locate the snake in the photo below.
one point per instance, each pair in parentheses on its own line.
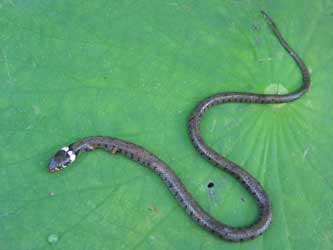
(67,155)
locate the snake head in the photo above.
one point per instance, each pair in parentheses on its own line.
(61,159)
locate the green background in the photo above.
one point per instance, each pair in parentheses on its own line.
(135,70)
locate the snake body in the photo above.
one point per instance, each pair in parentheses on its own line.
(67,155)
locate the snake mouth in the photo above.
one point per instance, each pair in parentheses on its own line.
(52,170)
(54,166)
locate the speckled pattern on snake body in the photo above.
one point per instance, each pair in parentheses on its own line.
(67,155)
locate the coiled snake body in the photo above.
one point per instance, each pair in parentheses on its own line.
(67,155)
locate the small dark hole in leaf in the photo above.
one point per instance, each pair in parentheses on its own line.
(210,184)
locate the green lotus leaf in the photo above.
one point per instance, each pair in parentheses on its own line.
(135,70)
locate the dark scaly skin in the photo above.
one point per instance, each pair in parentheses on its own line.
(67,155)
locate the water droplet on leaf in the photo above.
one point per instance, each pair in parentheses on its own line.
(53,238)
